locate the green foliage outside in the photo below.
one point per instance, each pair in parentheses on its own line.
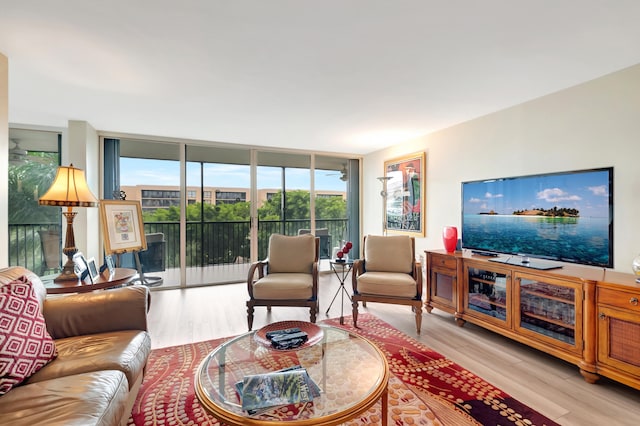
(223,238)
(225,234)
(297,207)
(27,182)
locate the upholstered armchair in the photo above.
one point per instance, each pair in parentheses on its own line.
(288,277)
(388,273)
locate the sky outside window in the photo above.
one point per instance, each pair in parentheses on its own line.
(137,171)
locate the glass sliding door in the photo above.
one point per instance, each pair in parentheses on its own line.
(218,214)
(283,187)
(331,178)
(150,173)
(215,207)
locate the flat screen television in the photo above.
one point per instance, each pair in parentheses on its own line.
(565,217)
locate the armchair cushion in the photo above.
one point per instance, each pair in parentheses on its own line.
(394,284)
(25,344)
(291,253)
(388,273)
(389,254)
(284,286)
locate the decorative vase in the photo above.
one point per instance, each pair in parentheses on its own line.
(635,265)
(450,238)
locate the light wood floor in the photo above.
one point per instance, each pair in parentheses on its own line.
(551,386)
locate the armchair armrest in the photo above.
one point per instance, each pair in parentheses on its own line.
(357,269)
(417,275)
(258,266)
(123,308)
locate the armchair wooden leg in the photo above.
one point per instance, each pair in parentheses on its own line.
(418,311)
(354,313)
(312,314)
(250,315)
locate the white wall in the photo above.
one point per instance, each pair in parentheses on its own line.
(81,148)
(595,124)
(4,161)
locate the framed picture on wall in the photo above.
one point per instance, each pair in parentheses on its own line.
(122,226)
(405,200)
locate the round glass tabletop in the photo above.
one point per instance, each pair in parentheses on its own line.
(349,373)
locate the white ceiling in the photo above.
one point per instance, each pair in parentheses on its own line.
(348,76)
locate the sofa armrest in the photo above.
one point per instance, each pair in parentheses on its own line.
(123,308)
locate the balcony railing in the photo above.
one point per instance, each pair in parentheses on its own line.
(26,247)
(208,243)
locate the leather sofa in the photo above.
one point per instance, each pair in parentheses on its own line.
(103,345)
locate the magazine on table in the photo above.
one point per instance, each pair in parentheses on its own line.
(283,387)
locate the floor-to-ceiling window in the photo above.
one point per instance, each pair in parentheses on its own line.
(283,187)
(216,206)
(331,179)
(218,214)
(35,233)
(149,172)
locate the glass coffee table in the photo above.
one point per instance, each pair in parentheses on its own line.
(351,372)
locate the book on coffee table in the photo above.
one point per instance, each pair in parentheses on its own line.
(277,388)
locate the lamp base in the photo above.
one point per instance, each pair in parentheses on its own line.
(68,273)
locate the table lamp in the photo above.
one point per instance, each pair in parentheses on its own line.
(69,189)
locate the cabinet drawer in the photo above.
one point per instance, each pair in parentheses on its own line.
(620,299)
(448,262)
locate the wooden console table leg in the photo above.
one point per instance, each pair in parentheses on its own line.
(385,406)
(589,377)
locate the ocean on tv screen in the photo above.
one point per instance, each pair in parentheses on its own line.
(570,239)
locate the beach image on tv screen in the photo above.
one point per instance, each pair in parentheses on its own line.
(561,216)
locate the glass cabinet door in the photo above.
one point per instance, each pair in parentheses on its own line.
(548,309)
(488,294)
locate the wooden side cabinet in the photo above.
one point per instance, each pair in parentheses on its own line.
(442,282)
(584,315)
(618,329)
(553,310)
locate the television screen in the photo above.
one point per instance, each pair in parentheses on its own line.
(558,216)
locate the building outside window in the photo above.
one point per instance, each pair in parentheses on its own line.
(230,197)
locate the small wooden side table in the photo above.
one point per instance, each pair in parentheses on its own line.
(120,276)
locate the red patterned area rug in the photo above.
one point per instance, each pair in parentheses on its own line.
(425,387)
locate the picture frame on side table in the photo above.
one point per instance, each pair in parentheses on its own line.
(80,265)
(405,209)
(122,226)
(93,270)
(111,266)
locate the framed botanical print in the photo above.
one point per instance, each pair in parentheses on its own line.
(122,226)
(405,199)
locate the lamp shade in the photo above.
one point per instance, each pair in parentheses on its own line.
(69,188)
